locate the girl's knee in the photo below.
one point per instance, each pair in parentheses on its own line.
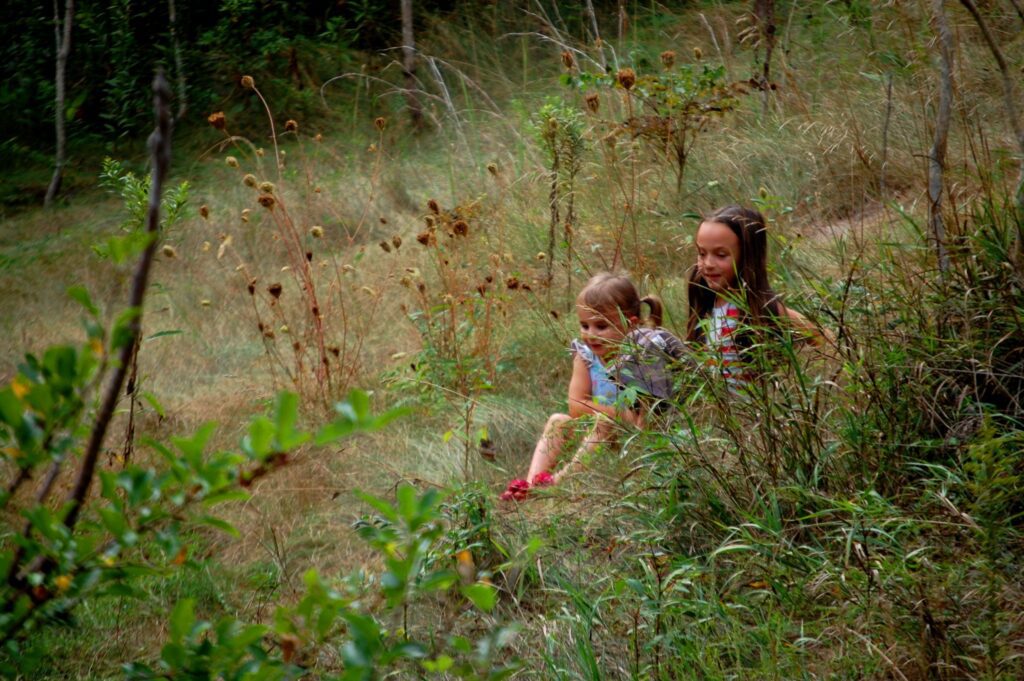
(557,420)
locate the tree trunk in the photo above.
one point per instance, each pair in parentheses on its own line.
(409,66)
(937,156)
(179,66)
(765,12)
(63,38)
(1009,97)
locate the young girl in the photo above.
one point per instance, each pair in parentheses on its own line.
(732,267)
(609,314)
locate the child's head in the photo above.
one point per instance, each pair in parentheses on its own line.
(608,307)
(732,258)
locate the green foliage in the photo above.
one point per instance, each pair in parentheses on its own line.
(49,566)
(134,192)
(407,535)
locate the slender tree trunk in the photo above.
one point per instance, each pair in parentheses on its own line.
(765,12)
(409,66)
(63,37)
(937,156)
(179,65)
(1009,97)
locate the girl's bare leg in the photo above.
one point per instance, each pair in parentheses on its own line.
(549,446)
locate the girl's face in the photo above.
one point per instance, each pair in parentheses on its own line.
(602,331)
(718,256)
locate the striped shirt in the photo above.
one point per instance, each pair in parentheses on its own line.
(720,331)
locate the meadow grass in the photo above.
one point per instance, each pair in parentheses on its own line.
(855,518)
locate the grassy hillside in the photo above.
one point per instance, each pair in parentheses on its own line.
(857,517)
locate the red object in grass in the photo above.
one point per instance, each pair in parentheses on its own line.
(543,479)
(516,491)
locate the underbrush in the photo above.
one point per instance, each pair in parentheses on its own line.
(856,514)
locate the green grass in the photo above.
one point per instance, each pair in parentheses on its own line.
(857,517)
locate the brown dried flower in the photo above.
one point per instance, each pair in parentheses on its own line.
(248,83)
(434,207)
(291,125)
(567,60)
(316,231)
(169,252)
(266,200)
(267,187)
(626,78)
(668,58)
(460,228)
(698,53)
(231,161)
(275,290)
(385,246)
(204,211)
(252,291)
(593,101)
(217,120)
(396,241)
(249,180)
(512,283)
(380,123)
(427,238)
(492,168)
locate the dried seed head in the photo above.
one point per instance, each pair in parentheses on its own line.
(396,241)
(275,290)
(383,220)
(380,123)
(168,251)
(267,201)
(593,102)
(252,291)
(204,211)
(421,287)
(427,238)
(429,219)
(318,190)
(284,328)
(406,282)
(434,207)
(368,291)
(542,255)
(217,120)
(492,168)
(248,83)
(318,138)
(763,192)
(245,215)
(567,60)
(249,180)
(309,256)
(668,58)
(460,228)
(626,78)
(385,246)
(316,231)
(267,187)
(259,152)
(206,246)
(334,350)
(231,161)
(348,268)
(512,283)
(291,125)
(205,302)
(698,53)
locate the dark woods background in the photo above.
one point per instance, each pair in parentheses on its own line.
(290,47)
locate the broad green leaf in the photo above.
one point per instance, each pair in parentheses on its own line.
(182,618)
(483,596)
(220,524)
(80,294)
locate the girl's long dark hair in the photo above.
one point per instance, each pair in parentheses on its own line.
(762,305)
